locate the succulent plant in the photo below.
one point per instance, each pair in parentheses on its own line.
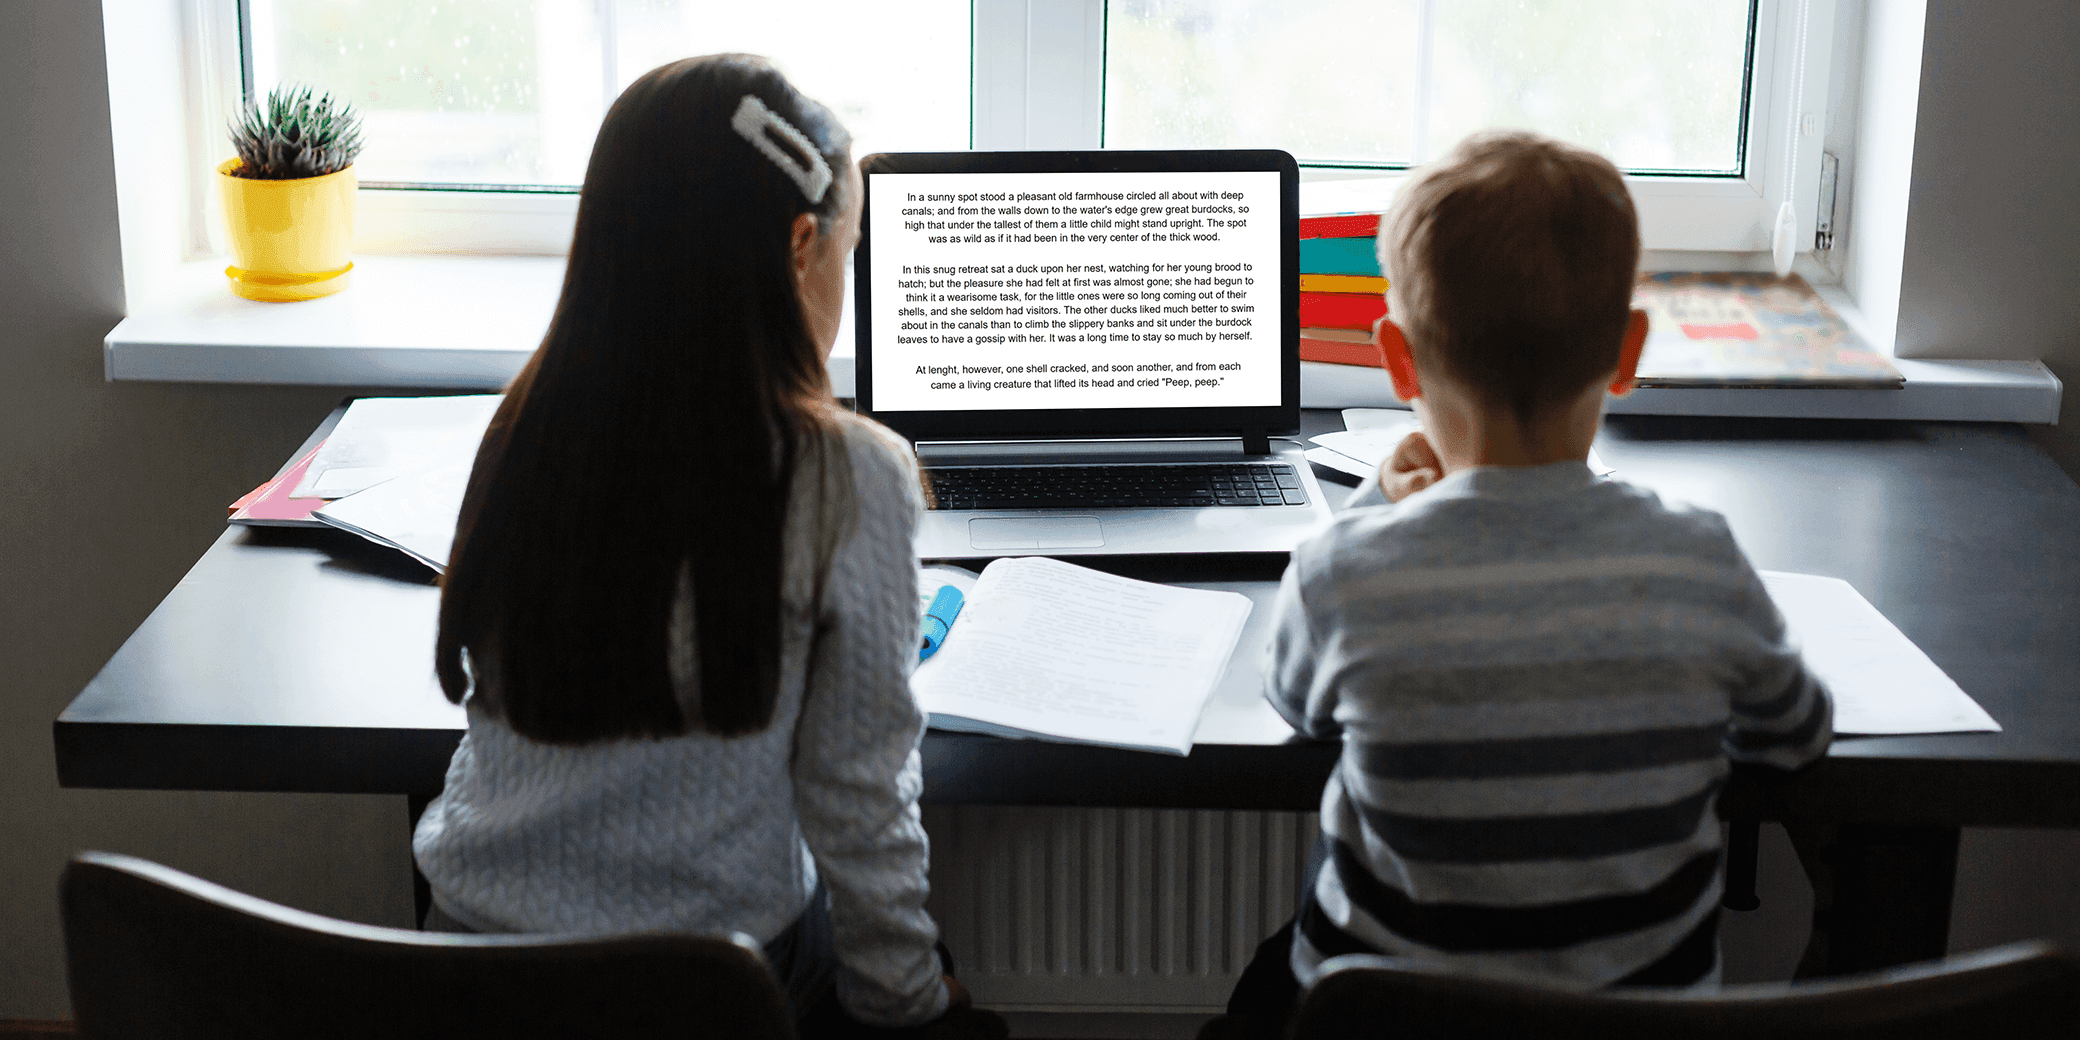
(296,133)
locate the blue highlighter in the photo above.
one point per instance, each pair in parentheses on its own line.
(938,618)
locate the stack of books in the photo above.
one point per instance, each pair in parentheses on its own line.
(1342,290)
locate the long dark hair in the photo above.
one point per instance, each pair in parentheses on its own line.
(657,431)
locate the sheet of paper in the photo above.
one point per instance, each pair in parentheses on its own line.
(385,437)
(1371,444)
(1361,418)
(931,579)
(1339,462)
(415,512)
(1058,650)
(1881,682)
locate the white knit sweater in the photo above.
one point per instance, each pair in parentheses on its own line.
(707,834)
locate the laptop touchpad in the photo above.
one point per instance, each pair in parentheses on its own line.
(1036,532)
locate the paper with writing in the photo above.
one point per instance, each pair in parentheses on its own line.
(1052,650)
(1881,682)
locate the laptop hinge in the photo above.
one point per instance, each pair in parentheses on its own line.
(1255,441)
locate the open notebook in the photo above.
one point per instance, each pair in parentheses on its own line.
(1050,650)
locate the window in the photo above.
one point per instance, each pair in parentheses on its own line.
(480,112)
(1390,84)
(508,95)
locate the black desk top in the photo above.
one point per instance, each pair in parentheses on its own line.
(292,660)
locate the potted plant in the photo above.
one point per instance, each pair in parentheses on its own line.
(289,195)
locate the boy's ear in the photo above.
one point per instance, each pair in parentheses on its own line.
(1628,353)
(1395,358)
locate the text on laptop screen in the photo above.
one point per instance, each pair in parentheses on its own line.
(1074,290)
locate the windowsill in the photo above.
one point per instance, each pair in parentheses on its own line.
(470,323)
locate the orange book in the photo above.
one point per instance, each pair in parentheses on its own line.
(1343,283)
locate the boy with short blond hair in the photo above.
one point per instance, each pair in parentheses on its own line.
(1538,676)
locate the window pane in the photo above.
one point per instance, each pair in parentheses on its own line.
(896,77)
(510,92)
(1327,80)
(1651,84)
(1654,85)
(472,91)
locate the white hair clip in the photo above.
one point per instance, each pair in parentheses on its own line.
(754,119)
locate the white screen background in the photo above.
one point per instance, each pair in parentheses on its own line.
(995,291)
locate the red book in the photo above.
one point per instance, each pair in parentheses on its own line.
(269,505)
(1338,352)
(1341,310)
(1340,225)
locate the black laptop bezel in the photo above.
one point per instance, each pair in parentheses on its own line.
(1086,423)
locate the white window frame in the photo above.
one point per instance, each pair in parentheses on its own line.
(1038,83)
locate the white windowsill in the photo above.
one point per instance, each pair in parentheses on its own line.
(470,323)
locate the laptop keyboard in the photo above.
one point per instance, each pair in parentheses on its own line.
(1096,487)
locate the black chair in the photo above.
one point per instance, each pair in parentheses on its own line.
(2024,990)
(151,952)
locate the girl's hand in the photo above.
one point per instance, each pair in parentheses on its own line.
(1413,466)
(957,994)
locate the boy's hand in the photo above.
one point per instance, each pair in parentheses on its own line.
(1413,466)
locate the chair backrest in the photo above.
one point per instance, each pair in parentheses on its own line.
(154,953)
(2024,990)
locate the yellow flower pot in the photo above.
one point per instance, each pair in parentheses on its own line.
(289,239)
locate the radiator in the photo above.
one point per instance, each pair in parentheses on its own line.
(1111,909)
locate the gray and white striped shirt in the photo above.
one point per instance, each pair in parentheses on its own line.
(1539,678)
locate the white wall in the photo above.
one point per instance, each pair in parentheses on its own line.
(1880,167)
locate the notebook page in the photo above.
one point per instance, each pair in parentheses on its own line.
(1881,682)
(1072,653)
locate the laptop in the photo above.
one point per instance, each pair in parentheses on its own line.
(1096,353)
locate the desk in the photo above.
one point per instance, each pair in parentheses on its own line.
(302,661)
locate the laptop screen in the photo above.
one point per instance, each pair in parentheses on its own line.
(1078,293)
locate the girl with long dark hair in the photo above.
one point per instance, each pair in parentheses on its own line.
(681,611)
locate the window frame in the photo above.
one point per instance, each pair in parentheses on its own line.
(1038,83)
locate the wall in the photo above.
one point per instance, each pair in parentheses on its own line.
(1993,227)
(108,492)
(1992,244)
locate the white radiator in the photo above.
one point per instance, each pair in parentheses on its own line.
(1111,909)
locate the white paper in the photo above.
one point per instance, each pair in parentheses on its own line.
(931,579)
(1372,443)
(1362,418)
(381,438)
(1049,649)
(1881,682)
(1340,462)
(415,512)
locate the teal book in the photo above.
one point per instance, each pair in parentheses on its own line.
(1338,256)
